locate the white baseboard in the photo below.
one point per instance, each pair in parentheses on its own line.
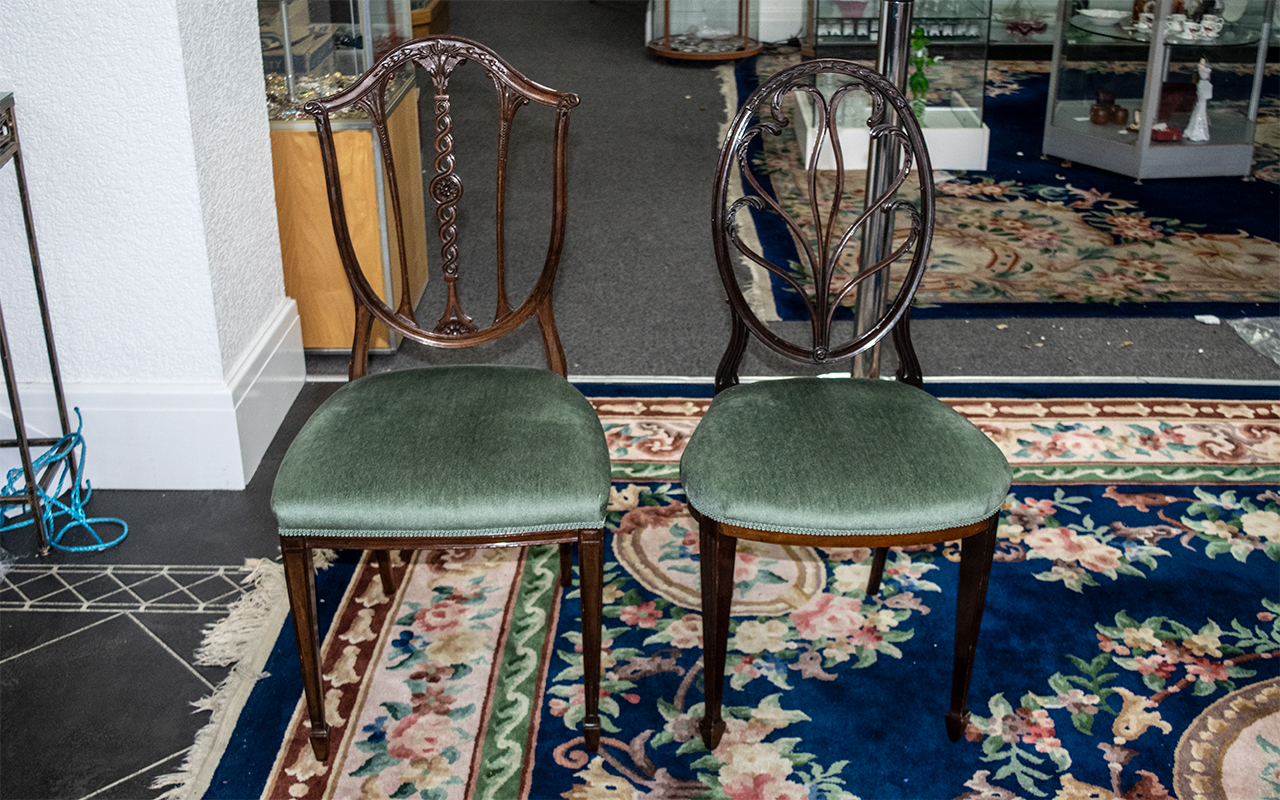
(265,384)
(181,436)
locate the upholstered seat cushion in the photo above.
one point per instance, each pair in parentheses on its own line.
(840,456)
(446,451)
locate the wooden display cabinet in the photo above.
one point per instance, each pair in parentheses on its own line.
(312,268)
(312,48)
(430,17)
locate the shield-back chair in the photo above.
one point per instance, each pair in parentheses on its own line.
(445,456)
(845,462)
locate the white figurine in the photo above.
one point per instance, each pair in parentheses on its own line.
(1198,128)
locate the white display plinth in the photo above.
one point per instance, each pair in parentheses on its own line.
(956,139)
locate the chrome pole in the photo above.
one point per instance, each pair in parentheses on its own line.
(1255,95)
(288,50)
(892,59)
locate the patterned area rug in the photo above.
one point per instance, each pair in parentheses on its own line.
(1037,237)
(1129,647)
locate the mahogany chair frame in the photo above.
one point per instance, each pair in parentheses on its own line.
(439,56)
(892,122)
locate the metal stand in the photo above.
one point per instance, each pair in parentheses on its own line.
(11,151)
(882,167)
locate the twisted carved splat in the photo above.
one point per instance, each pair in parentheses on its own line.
(446,190)
(439,56)
(831,241)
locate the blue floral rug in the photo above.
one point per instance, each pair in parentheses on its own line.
(1129,647)
(1038,237)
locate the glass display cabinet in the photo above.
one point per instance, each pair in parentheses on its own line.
(946,75)
(846,24)
(1169,90)
(704,29)
(313,48)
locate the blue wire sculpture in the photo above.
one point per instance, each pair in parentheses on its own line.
(51,507)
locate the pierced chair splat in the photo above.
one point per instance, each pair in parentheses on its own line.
(844,462)
(452,457)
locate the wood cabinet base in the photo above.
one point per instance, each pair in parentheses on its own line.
(312,269)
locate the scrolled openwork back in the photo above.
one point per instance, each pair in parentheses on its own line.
(439,56)
(821,235)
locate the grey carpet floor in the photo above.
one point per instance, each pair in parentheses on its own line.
(637,292)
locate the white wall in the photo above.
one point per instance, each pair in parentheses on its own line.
(222,65)
(147,155)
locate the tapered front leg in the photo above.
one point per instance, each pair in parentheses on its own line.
(566,565)
(590,581)
(716,557)
(976,553)
(300,580)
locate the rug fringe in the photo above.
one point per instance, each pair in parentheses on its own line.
(321,557)
(244,639)
(231,638)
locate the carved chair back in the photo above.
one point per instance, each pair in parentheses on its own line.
(828,233)
(438,57)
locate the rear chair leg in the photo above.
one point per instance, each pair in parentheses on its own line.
(300,580)
(383,558)
(877,571)
(976,553)
(566,565)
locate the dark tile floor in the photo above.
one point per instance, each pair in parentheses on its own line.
(97,649)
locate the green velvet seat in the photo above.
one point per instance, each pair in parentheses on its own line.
(510,449)
(845,461)
(451,457)
(840,457)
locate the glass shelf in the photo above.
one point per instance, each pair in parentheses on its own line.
(857,22)
(1232,34)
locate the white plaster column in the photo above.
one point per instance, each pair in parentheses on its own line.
(147,153)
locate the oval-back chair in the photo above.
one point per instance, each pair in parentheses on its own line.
(846,462)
